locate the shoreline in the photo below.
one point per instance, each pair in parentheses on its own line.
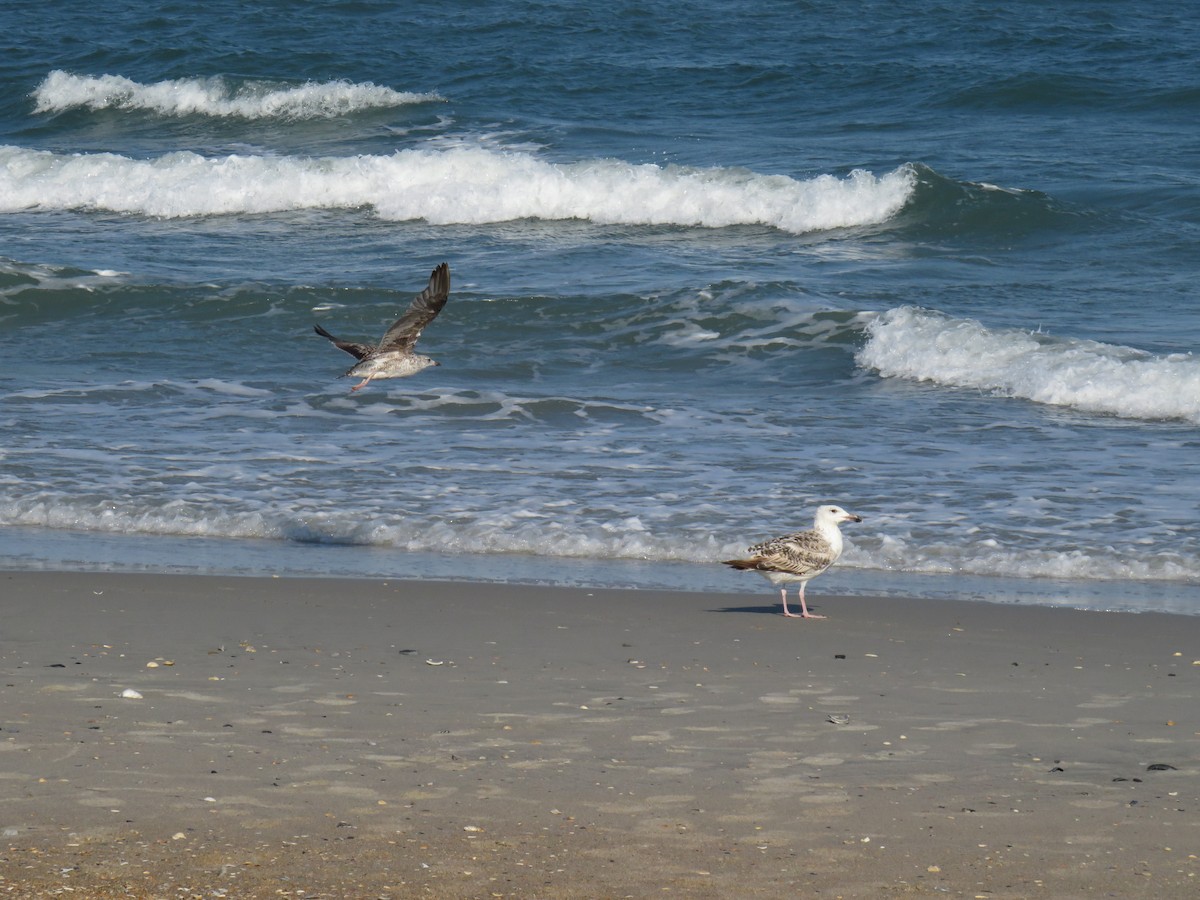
(26,548)
(368,737)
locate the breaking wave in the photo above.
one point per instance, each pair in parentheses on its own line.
(459,185)
(217,96)
(925,345)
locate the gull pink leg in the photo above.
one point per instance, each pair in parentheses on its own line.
(787,612)
(804,613)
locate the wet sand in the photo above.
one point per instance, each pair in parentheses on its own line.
(340,738)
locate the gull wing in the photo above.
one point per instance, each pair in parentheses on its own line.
(358,351)
(424,309)
(801,553)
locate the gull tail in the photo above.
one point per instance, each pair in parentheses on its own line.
(741,563)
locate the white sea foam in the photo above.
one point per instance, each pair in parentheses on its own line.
(461,185)
(925,345)
(515,531)
(536,533)
(989,557)
(232,388)
(218,97)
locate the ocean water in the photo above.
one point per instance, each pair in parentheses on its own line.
(714,263)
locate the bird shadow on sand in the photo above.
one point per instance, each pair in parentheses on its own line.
(772,609)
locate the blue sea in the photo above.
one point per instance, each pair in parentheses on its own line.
(714,263)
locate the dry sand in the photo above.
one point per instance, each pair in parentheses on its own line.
(339,738)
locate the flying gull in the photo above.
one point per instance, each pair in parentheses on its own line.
(393,357)
(799,557)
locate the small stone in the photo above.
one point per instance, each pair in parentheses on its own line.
(131,694)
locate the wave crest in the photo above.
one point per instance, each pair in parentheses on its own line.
(925,345)
(459,185)
(217,96)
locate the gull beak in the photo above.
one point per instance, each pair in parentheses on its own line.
(851,517)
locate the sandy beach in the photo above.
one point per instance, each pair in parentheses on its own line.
(179,736)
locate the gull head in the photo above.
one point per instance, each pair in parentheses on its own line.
(832,515)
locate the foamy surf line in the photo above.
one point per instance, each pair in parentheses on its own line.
(218,96)
(531,535)
(460,185)
(924,345)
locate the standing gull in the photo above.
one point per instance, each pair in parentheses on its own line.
(394,356)
(799,557)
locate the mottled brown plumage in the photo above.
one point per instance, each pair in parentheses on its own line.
(799,557)
(393,357)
